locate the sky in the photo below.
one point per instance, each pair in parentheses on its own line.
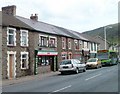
(77,15)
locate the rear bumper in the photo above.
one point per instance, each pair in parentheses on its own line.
(91,66)
(69,69)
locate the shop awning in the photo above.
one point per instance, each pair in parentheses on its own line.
(47,53)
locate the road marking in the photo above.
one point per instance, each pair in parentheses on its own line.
(93,77)
(62,89)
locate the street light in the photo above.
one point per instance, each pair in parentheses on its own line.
(105,28)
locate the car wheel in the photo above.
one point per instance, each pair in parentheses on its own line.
(77,71)
(84,70)
(62,72)
(97,67)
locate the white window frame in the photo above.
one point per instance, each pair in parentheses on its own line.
(69,44)
(14,36)
(40,40)
(63,43)
(80,44)
(76,43)
(27,62)
(51,37)
(22,42)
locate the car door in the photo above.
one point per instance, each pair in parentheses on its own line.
(79,65)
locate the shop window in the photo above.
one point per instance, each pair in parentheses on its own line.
(11,36)
(43,61)
(24,60)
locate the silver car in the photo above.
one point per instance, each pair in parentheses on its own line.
(71,65)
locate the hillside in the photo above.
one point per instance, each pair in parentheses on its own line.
(112,33)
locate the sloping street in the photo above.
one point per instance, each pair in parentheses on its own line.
(104,79)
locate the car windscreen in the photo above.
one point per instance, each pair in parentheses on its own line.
(102,55)
(65,62)
(92,60)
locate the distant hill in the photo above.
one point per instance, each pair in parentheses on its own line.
(112,33)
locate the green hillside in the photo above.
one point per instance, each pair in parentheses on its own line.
(112,33)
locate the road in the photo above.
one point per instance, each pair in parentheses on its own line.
(104,79)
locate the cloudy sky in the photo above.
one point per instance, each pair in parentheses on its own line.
(78,15)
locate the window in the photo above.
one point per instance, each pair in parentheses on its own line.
(80,44)
(24,38)
(63,43)
(24,60)
(69,44)
(11,37)
(43,41)
(44,61)
(95,46)
(91,46)
(52,42)
(76,44)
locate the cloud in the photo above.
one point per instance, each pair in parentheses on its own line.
(79,15)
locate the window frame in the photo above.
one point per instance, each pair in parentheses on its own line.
(27,62)
(55,41)
(63,43)
(14,36)
(69,44)
(25,31)
(76,45)
(41,40)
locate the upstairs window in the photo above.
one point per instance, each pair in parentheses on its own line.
(95,47)
(63,43)
(11,36)
(91,46)
(43,41)
(76,44)
(24,38)
(80,44)
(69,44)
(52,42)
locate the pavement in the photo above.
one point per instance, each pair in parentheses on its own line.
(27,78)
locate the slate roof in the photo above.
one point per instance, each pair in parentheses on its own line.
(8,20)
(42,27)
(17,21)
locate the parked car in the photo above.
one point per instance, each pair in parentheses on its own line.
(93,63)
(71,65)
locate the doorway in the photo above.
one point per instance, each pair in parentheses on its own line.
(11,65)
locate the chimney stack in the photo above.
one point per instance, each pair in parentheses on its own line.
(10,10)
(35,17)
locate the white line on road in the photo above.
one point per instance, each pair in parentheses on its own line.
(93,77)
(60,89)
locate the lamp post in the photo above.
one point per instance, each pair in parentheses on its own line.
(105,28)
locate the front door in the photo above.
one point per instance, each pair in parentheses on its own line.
(11,65)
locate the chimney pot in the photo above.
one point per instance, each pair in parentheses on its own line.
(35,17)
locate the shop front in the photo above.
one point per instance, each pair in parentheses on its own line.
(46,61)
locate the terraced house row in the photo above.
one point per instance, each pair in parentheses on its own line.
(30,46)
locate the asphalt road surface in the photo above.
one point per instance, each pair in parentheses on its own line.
(104,79)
